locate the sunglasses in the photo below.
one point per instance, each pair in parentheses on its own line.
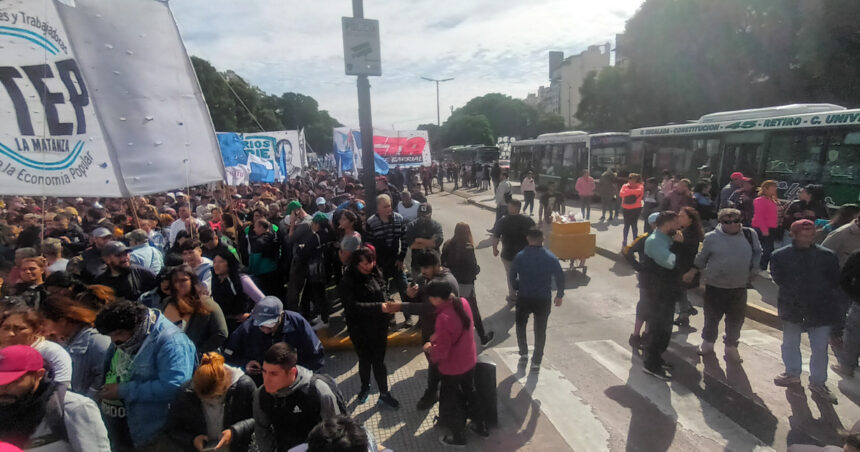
(730,221)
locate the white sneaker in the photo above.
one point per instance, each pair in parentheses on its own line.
(706,348)
(315,320)
(320,326)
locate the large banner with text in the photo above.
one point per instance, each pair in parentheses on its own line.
(391,148)
(98,98)
(262,157)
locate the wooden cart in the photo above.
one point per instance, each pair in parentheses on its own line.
(573,242)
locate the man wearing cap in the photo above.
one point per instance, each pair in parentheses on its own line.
(127,280)
(807,275)
(269,324)
(142,253)
(728,261)
(192,254)
(36,412)
(323,206)
(423,234)
(735,182)
(149,360)
(92,263)
(300,234)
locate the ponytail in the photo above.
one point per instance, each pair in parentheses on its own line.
(458,308)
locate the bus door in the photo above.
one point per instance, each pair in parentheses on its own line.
(742,152)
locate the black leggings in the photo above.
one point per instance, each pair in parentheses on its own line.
(631,219)
(370,347)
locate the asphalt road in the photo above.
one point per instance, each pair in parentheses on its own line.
(591,388)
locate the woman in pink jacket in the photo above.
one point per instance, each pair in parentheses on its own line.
(585,188)
(765,218)
(452,348)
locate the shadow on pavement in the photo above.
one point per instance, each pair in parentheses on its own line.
(805,429)
(500,322)
(525,413)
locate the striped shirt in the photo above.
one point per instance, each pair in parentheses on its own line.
(387,238)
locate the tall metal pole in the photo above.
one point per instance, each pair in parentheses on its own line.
(438,116)
(365,124)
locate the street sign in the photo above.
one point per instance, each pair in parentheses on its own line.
(361,53)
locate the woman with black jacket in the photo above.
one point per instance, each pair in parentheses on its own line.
(362,295)
(686,250)
(314,306)
(458,256)
(233,290)
(213,411)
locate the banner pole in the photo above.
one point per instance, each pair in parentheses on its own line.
(134,211)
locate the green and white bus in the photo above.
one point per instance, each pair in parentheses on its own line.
(793,144)
(561,157)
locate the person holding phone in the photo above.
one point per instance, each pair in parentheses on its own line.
(213,411)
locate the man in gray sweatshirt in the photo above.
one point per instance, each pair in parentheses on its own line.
(728,261)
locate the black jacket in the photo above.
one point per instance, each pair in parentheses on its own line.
(78,240)
(362,297)
(461,261)
(186,420)
(130,284)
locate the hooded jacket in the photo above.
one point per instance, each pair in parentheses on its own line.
(186,419)
(163,363)
(285,422)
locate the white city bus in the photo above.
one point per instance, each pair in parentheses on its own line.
(793,144)
(561,157)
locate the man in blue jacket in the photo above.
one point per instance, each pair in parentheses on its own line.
(532,272)
(269,324)
(807,275)
(149,360)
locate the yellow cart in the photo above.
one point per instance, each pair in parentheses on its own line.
(573,242)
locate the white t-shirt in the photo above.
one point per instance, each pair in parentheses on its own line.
(409,213)
(58,266)
(58,358)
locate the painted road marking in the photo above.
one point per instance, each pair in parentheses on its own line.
(572,417)
(673,400)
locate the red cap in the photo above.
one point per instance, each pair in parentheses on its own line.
(17,360)
(737,175)
(802,224)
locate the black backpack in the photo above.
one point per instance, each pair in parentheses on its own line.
(332,384)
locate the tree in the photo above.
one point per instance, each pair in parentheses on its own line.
(604,105)
(463,128)
(433,134)
(237,106)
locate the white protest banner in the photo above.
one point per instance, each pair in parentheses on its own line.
(87,107)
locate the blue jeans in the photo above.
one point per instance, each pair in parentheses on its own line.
(819,338)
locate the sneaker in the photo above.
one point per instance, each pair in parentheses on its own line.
(458,441)
(659,373)
(320,326)
(487,338)
(733,355)
(535,366)
(681,321)
(692,311)
(823,392)
(635,340)
(427,401)
(407,324)
(786,380)
(706,348)
(362,396)
(389,400)
(844,372)
(480,429)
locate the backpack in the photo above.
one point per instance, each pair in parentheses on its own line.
(748,236)
(332,385)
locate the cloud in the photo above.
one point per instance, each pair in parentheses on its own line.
(486,45)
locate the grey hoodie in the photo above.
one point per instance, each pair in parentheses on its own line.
(266,439)
(728,261)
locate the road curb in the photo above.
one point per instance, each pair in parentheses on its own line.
(763,314)
(341,341)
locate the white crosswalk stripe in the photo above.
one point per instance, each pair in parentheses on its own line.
(572,417)
(673,400)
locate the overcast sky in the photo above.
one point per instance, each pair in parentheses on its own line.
(486,45)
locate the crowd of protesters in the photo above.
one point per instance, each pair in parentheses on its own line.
(188,320)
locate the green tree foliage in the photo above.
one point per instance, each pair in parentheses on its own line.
(687,58)
(289,111)
(504,115)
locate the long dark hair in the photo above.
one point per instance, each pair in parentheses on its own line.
(695,227)
(443,289)
(364,254)
(193,304)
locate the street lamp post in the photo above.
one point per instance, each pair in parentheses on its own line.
(438,81)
